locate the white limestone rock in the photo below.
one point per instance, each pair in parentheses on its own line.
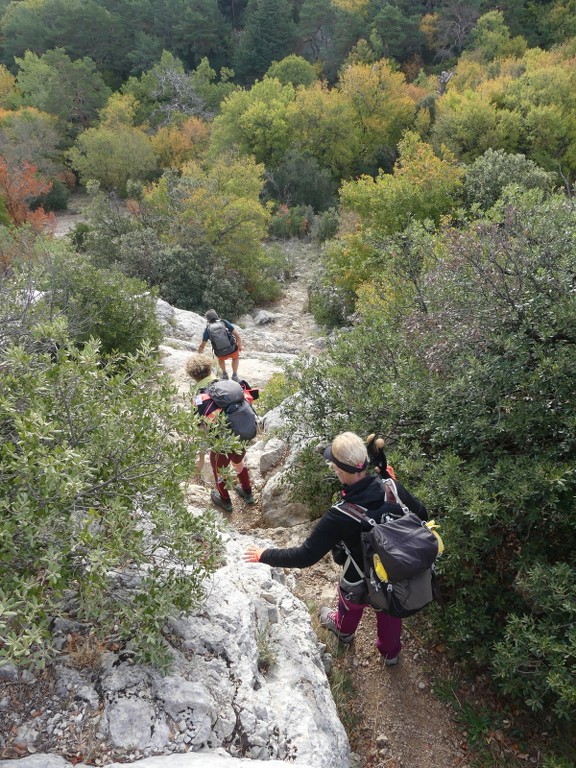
(278,510)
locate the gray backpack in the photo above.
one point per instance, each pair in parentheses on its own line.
(399,554)
(230,397)
(222,340)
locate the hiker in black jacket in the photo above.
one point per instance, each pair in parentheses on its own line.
(348,457)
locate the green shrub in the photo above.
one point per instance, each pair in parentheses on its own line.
(325,226)
(223,290)
(99,303)
(300,181)
(56,199)
(191,269)
(329,305)
(311,482)
(293,69)
(536,659)
(274,393)
(495,169)
(4,217)
(290,222)
(467,369)
(78,236)
(550,761)
(91,504)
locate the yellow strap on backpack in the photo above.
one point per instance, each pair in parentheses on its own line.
(432,526)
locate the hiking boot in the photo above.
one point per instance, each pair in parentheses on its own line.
(328,620)
(390,662)
(235,377)
(224,375)
(220,502)
(246,495)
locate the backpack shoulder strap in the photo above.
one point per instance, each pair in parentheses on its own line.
(205,405)
(355,511)
(391,494)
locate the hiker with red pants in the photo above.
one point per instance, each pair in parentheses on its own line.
(348,457)
(198,367)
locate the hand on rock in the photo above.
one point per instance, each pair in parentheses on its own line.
(252,554)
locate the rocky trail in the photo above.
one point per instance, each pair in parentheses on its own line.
(393,717)
(272,337)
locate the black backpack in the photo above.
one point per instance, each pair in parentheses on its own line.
(222,340)
(399,554)
(233,399)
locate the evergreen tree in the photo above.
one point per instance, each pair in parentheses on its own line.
(73,91)
(269,35)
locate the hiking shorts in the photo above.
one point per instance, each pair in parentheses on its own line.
(231,356)
(219,460)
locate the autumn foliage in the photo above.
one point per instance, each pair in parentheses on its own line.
(19,186)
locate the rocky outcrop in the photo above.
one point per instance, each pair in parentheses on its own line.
(247,678)
(204,759)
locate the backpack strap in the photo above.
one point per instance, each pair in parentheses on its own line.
(357,513)
(391,494)
(205,406)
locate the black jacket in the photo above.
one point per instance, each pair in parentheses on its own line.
(335,527)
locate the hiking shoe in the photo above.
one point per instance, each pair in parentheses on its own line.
(390,662)
(235,377)
(220,502)
(224,375)
(328,620)
(246,495)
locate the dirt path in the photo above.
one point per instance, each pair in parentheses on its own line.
(393,717)
(74,214)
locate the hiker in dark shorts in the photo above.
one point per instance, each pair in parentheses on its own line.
(225,340)
(348,457)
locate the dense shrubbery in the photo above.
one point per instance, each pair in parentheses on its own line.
(329,305)
(94,524)
(196,236)
(98,303)
(291,222)
(325,226)
(56,199)
(468,370)
(300,181)
(487,176)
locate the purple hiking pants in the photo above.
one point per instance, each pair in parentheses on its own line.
(388,628)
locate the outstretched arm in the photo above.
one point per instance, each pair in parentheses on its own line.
(326,534)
